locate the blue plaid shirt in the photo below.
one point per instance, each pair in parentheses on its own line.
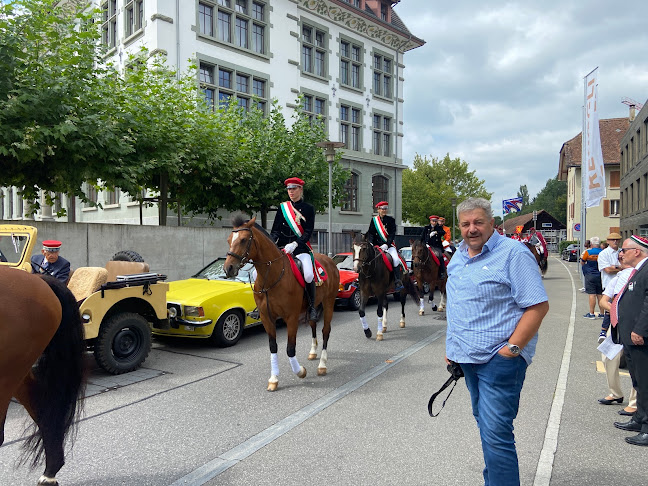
(487,295)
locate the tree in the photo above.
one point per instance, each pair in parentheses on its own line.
(553,199)
(428,188)
(524,194)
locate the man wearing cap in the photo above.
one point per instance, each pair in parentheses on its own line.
(382,230)
(632,329)
(609,266)
(432,237)
(50,262)
(446,237)
(292,228)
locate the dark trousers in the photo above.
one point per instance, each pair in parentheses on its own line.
(637,359)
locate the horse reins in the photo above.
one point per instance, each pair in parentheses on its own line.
(367,263)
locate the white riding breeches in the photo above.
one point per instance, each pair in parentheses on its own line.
(307,266)
(393,253)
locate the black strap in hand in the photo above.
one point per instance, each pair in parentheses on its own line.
(451,381)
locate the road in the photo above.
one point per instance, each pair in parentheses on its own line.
(197,415)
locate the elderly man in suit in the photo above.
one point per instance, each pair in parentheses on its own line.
(50,262)
(629,314)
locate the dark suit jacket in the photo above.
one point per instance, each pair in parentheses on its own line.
(282,234)
(390,225)
(59,269)
(633,307)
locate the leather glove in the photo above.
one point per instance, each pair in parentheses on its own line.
(432,233)
(290,247)
(383,247)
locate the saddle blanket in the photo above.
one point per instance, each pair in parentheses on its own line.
(320,274)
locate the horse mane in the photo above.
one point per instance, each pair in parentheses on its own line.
(239,220)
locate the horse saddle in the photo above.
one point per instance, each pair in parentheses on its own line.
(435,257)
(386,258)
(298,271)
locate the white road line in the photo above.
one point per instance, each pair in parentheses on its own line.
(232,457)
(545,463)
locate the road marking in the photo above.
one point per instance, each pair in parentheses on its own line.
(245,449)
(545,463)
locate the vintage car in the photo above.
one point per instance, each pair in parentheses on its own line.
(211,306)
(348,292)
(571,253)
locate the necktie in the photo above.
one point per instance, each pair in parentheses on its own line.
(614,310)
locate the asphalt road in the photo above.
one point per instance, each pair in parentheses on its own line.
(197,415)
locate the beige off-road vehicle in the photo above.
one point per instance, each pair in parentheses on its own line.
(117,302)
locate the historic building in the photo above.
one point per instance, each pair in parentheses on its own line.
(602,219)
(634,176)
(345,57)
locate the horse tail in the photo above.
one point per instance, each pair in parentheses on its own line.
(544,265)
(60,377)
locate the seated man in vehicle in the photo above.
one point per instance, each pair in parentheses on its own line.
(50,262)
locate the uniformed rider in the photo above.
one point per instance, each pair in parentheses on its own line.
(432,237)
(382,230)
(292,228)
(446,237)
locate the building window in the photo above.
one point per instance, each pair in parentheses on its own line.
(379,189)
(350,127)
(91,194)
(111,197)
(351,190)
(382,76)
(241,23)
(382,127)
(383,12)
(134,16)
(350,64)
(314,107)
(224,84)
(109,23)
(314,50)
(355,3)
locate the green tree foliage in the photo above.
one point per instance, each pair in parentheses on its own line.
(430,185)
(524,194)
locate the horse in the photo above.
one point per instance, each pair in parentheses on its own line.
(375,279)
(543,264)
(278,293)
(427,270)
(41,363)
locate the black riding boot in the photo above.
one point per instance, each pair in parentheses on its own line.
(398,284)
(442,267)
(310,295)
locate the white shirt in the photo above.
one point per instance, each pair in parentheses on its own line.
(607,258)
(617,283)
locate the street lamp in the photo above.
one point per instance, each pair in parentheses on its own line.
(454,205)
(329,151)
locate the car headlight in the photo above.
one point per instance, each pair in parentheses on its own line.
(173,310)
(194,311)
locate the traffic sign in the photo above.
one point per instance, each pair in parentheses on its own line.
(577,227)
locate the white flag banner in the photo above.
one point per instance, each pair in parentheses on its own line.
(594,181)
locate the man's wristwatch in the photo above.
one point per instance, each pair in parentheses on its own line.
(513,348)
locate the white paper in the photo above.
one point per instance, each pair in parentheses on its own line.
(609,349)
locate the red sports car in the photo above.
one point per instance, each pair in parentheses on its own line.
(348,293)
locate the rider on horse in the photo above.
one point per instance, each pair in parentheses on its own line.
(432,237)
(292,229)
(382,230)
(448,247)
(538,241)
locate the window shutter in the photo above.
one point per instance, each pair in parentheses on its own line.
(606,207)
(615,178)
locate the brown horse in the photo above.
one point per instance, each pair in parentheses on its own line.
(279,295)
(41,362)
(375,280)
(426,270)
(540,258)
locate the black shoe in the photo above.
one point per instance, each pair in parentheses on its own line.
(630,425)
(607,401)
(639,439)
(398,285)
(625,412)
(367,332)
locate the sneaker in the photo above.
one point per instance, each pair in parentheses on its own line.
(589,316)
(602,336)
(600,316)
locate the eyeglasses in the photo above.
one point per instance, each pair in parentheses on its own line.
(626,249)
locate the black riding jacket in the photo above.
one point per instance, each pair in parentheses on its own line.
(282,234)
(390,226)
(435,241)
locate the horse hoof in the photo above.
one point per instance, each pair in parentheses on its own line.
(368,333)
(441,308)
(379,336)
(302,372)
(321,371)
(312,356)
(435,308)
(384,328)
(45,481)
(421,312)
(272,386)
(402,324)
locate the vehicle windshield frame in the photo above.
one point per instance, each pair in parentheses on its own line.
(214,271)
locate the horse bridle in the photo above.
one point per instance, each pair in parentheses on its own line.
(422,262)
(366,263)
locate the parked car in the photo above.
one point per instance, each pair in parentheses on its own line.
(211,306)
(348,292)
(571,253)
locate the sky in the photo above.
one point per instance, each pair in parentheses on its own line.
(500,84)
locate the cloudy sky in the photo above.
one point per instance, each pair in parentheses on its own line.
(500,84)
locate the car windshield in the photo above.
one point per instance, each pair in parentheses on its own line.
(11,247)
(343,262)
(214,271)
(406,252)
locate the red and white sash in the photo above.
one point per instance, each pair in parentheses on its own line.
(380,228)
(293,218)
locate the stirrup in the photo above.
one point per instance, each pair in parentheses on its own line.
(398,285)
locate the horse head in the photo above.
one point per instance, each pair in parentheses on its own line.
(419,254)
(363,252)
(241,249)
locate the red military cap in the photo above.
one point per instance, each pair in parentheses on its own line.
(382,204)
(52,245)
(434,217)
(640,240)
(293,182)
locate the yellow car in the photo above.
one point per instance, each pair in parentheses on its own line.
(211,306)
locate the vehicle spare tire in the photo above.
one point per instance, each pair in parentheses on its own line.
(127,256)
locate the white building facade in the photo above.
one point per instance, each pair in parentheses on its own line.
(346,58)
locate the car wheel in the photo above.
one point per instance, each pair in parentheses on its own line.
(127,256)
(354,300)
(228,329)
(123,343)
